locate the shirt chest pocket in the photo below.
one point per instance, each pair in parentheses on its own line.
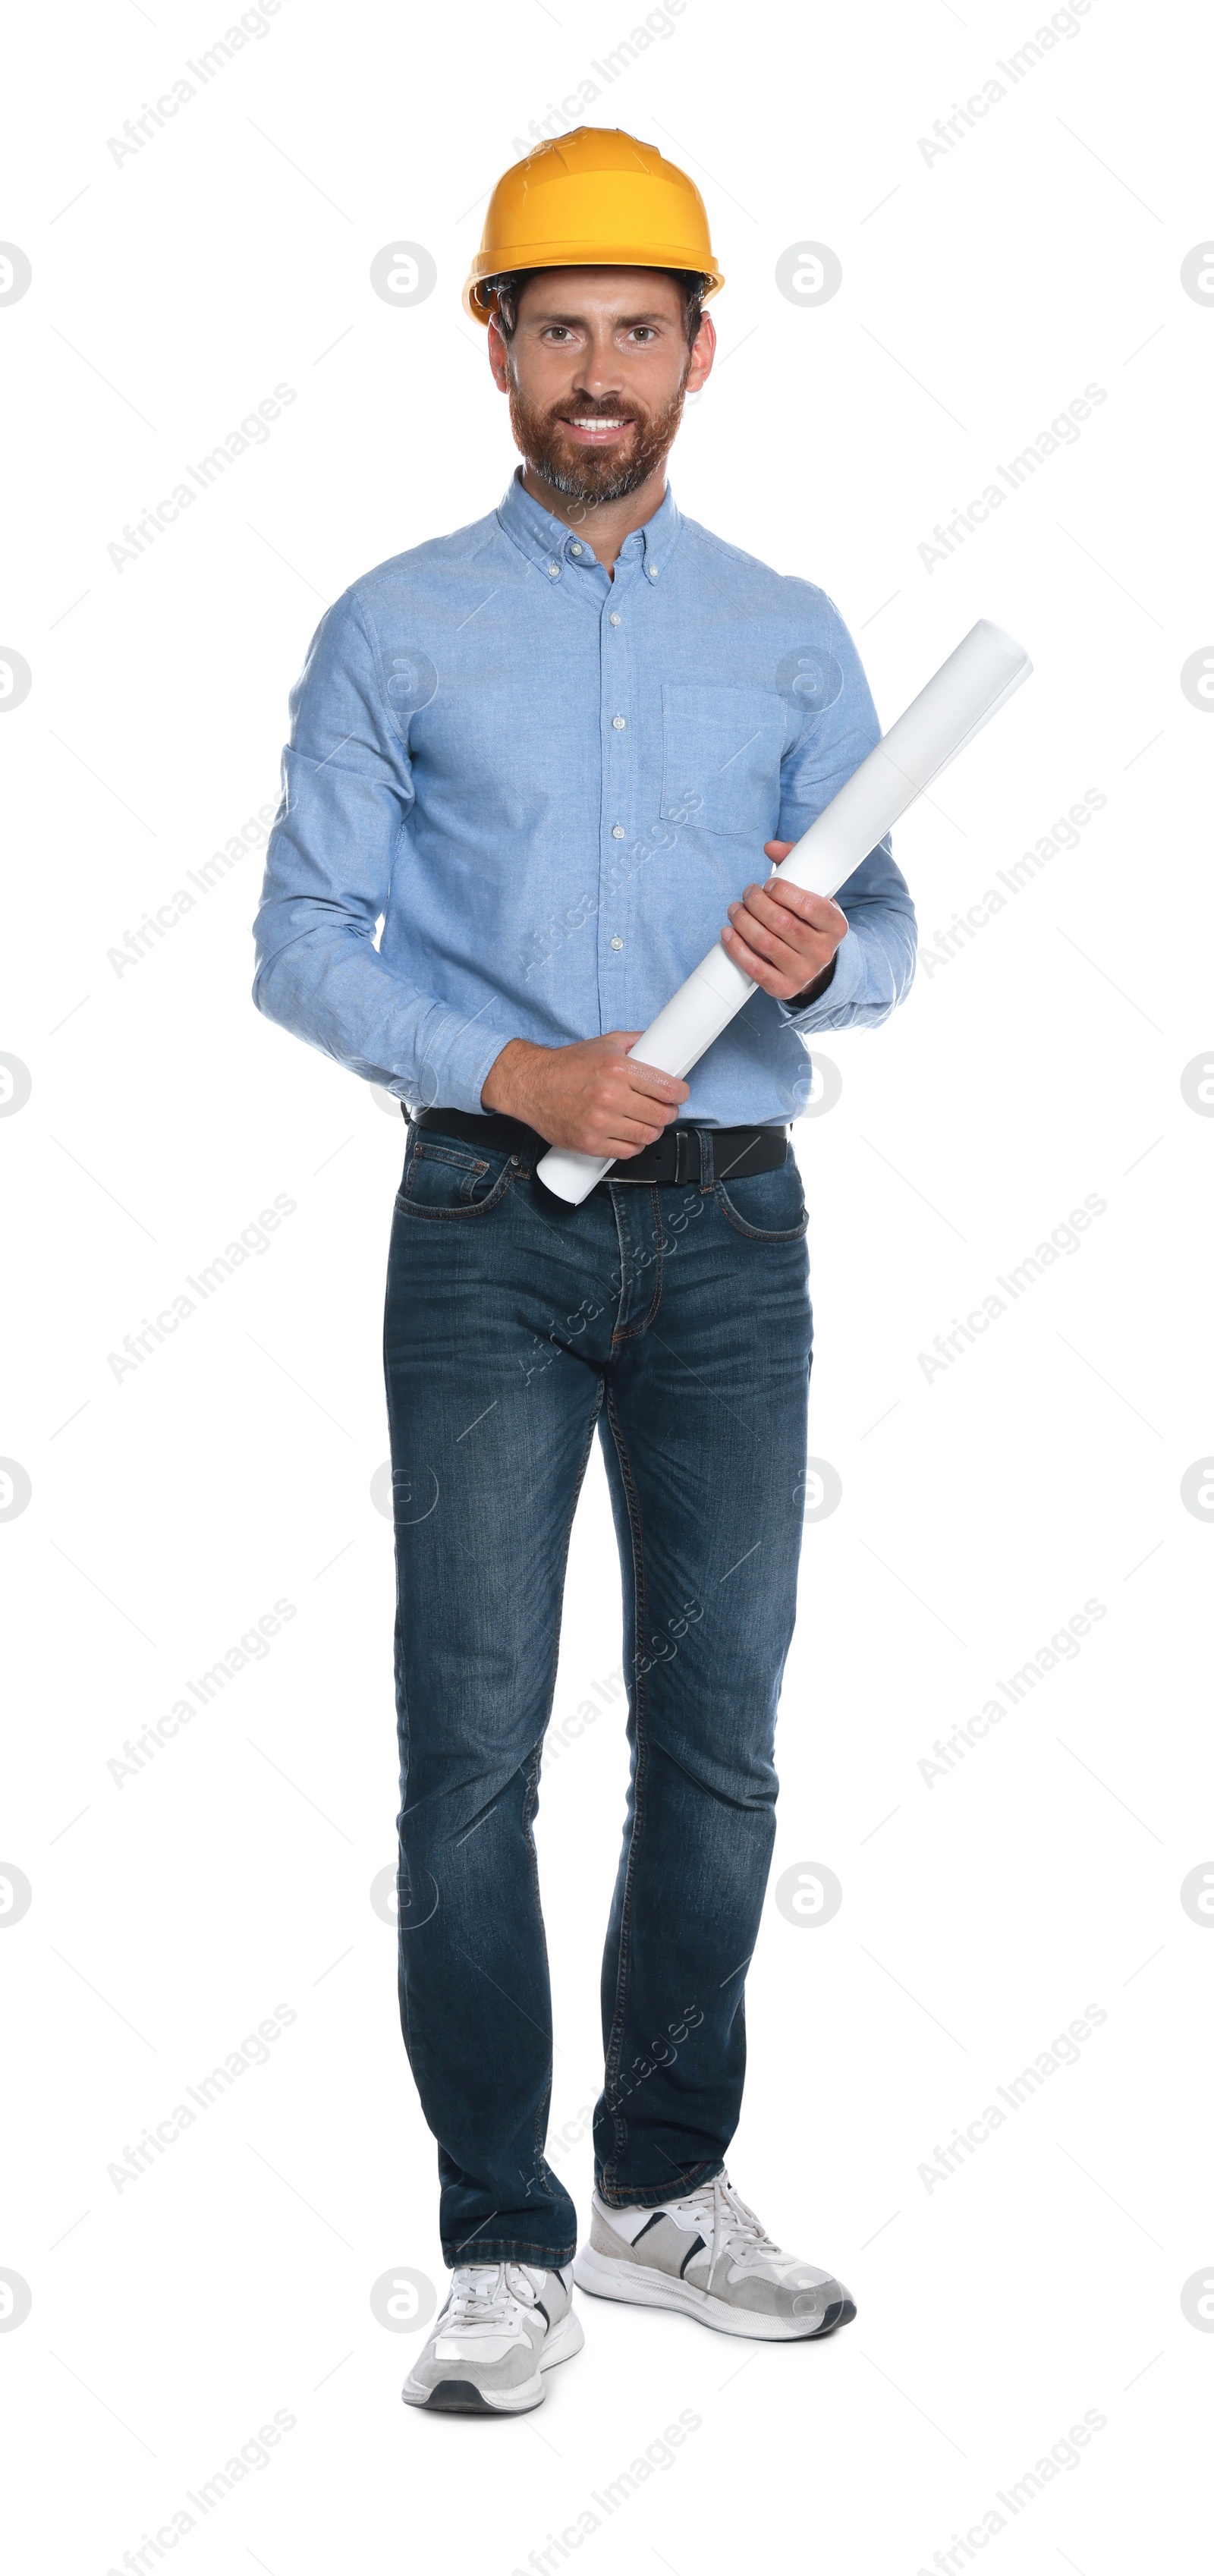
(721,752)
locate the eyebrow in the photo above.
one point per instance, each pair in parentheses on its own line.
(579,320)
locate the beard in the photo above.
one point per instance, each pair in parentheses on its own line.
(581,473)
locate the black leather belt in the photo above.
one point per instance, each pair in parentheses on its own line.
(736,1151)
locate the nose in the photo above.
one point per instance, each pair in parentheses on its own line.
(601,373)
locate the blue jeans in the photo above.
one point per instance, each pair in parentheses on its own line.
(677,1320)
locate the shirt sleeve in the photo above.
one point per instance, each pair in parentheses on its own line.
(875,963)
(347,792)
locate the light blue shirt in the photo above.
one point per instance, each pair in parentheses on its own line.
(547,786)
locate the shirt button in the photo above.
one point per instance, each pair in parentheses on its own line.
(617,724)
(617,831)
(617,942)
(554,572)
(652,570)
(575,550)
(614,618)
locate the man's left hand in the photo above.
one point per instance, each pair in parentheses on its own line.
(782,936)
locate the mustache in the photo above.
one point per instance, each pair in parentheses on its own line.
(574,410)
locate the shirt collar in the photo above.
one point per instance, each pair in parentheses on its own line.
(546,540)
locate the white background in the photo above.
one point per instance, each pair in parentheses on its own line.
(1042,2280)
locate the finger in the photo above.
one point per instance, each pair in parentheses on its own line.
(784,938)
(782,972)
(759,904)
(629,1136)
(816,909)
(642,1076)
(649,1114)
(773,903)
(775,933)
(777,850)
(750,943)
(630,1113)
(659,1086)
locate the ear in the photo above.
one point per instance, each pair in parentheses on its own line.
(499,356)
(703,351)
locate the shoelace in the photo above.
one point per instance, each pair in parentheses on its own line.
(734,2225)
(482,2295)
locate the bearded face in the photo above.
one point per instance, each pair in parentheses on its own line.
(593,451)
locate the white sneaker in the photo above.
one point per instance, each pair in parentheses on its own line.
(709,2256)
(503,2324)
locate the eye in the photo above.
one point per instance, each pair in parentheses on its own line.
(643,331)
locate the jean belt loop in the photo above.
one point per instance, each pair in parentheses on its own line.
(705,1137)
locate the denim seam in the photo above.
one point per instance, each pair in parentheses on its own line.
(616,2038)
(577,1488)
(542,2108)
(406,2001)
(643,2197)
(622,1300)
(530,1804)
(633,1331)
(508,2249)
(463,1159)
(405,1747)
(757,1233)
(481,1207)
(543,2172)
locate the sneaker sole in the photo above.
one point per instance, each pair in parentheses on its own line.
(639,2287)
(463,2397)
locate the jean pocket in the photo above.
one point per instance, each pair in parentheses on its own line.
(769,1207)
(453,1181)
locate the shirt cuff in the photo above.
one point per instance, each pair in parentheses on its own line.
(844,988)
(466,1067)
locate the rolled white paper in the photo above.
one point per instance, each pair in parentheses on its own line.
(964,694)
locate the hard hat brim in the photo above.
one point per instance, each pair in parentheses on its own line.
(673,255)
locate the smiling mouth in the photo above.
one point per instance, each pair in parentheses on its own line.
(595,432)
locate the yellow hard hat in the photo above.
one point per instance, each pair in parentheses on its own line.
(593,199)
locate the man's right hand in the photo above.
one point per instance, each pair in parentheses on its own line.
(593,1098)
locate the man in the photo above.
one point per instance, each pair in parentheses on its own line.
(546,752)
